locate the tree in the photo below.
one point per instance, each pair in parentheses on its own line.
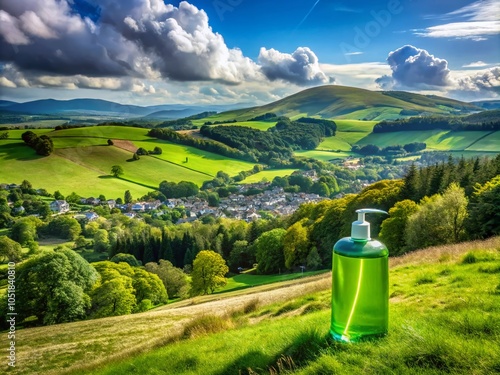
(269,254)
(110,142)
(157,150)
(26,187)
(64,227)
(54,287)
(128,197)
(208,273)
(392,231)
(58,196)
(410,189)
(101,241)
(25,230)
(127,258)
(114,295)
(10,251)
(439,219)
(295,245)
(117,170)
(484,210)
(175,280)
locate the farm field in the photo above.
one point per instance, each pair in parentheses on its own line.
(344,125)
(147,171)
(435,139)
(259,125)
(267,175)
(323,155)
(198,160)
(489,143)
(55,172)
(334,143)
(107,132)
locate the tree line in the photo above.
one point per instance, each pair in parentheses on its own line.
(481,121)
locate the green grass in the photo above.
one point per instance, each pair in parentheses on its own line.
(444,318)
(334,143)
(82,162)
(351,137)
(323,155)
(489,143)
(435,139)
(148,170)
(113,132)
(198,160)
(267,175)
(259,125)
(56,172)
(374,114)
(344,125)
(244,280)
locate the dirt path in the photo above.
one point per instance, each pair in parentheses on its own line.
(125,145)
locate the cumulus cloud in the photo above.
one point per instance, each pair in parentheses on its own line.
(483,83)
(477,21)
(301,67)
(415,68)
(137,38)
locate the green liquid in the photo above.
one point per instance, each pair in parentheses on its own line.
(360,297)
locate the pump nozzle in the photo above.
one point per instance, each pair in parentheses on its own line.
(360,229)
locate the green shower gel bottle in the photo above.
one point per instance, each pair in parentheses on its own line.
(360,284)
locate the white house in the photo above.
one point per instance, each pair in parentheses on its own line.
(59,206)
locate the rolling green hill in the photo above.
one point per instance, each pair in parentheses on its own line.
(82,161)
(350,103)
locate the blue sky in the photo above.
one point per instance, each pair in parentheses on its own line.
(241,51)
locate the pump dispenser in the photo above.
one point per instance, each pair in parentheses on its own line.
(360,284)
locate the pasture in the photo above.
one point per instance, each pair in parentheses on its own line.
(198,160)
(438,140)
(323,155)
(267,175)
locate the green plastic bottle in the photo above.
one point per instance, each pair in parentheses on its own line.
(360,284)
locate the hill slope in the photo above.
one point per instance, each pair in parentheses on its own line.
(445,317)
(348,102)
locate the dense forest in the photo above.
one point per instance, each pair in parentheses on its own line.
(278,142)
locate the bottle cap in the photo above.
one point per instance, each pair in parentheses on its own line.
(360,229)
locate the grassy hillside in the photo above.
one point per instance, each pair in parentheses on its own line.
(350,103)
(444,318)
(437,139)
(82,162)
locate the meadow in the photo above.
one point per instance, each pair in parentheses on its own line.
(82,161)
(324,155)
(267,175)
(444,318)
(247,280)
(438,140)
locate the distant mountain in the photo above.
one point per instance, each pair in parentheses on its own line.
(334,101)
(6,103)
(98,107)
(488,104)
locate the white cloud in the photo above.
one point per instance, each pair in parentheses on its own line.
(476,64)
(413,67)
(481,20)
(301,67)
